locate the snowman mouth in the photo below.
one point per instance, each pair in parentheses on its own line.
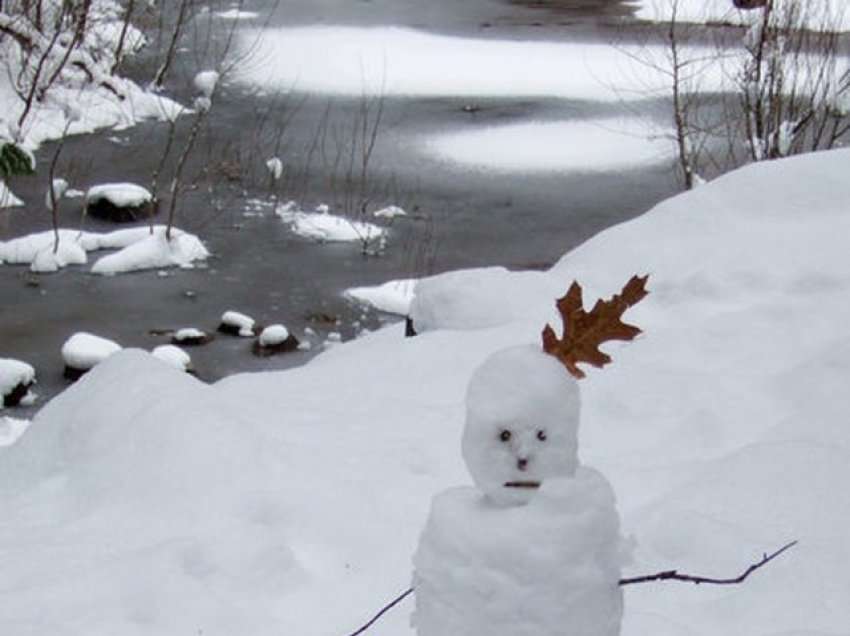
(522,484)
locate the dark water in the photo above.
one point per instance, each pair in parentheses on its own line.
(459,218)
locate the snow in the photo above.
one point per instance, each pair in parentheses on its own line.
(520,434)
(205,83)
(702,11)
(547,568)
(11,430)
(244,323)
(121,195)
(14,373)
(83,350)
(323,226)
(237,14)
(275,167)
(392,297)
(153,252)
(188,333)
(389,212)
(8,198)
(584,146)
(392,61)
(722,431)
(174,356)
(273,335)
(67,252)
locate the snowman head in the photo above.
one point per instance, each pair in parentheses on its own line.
(522,404)
(522,416)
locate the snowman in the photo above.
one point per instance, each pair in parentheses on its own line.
(534,549)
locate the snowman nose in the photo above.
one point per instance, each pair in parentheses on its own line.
(522,463)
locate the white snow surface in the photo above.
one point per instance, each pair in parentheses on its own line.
(237,14)
(702,11)
(389,212)
(392,297)
(8,198)
(12,373)
(585,146)
(393,61)
(67,252)
(154,251)
(120,195)
(174,356)
(11,429)
(722,430)
(324,226)
(547,568)
(83,350)
(240,320)
(205,82)
(273,335)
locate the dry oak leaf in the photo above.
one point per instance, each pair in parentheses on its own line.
(584,332)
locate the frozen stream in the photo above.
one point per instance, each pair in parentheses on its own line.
(463,214)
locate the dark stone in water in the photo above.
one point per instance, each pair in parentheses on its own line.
(290,344)
(14,397)
(409,329)
(749,4)
(73,373)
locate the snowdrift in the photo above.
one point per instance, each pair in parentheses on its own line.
(142,501)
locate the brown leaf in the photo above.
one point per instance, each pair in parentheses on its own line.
(584,332)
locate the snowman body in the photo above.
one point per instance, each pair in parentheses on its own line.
(535,548)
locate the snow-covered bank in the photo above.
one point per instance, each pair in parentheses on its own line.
(138,249)
(723,11)
(244,506)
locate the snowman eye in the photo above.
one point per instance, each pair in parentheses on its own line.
(505,435)
(541,435)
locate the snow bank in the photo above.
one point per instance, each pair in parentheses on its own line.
(11,430)
(174,356)
(722,431)
(154,251)
(395,61)
(585,146)
(83,351)
(392,297)
(54,257)
(323,226)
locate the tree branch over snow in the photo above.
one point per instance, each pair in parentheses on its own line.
(667,575)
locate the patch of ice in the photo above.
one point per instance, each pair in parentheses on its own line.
(392,297)
(83,350)
(273,335)
(582,146)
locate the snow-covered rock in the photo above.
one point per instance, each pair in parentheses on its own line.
(82,351)
(273,335)
(205,83)
(154,251)
(275,339)
(389,212)
(16,378)
(237,324)
(173,355)
(118,202)
(191,337)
